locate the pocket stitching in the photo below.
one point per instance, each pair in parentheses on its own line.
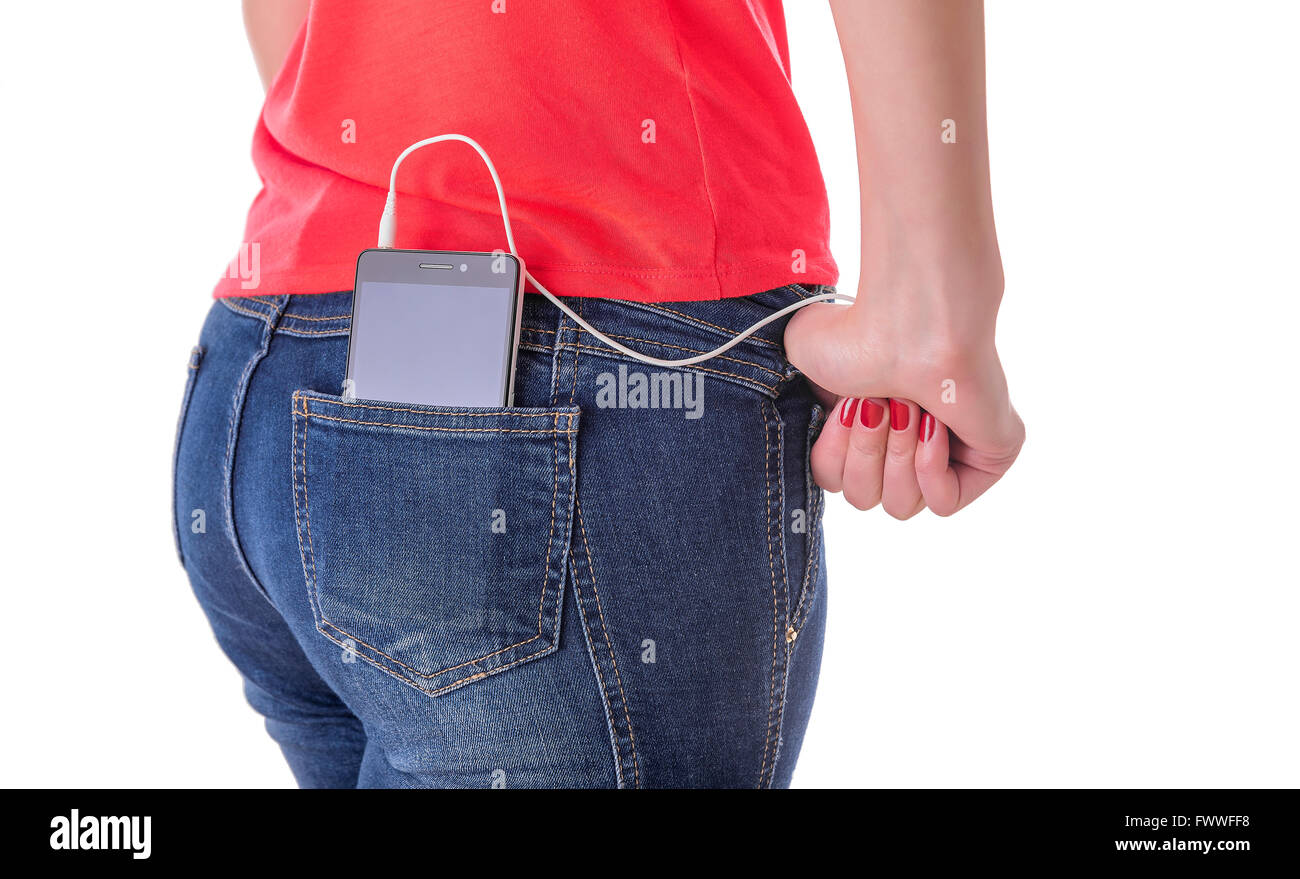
(309,554)
(441,429)
(305,398)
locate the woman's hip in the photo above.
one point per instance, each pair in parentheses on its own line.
(633,547)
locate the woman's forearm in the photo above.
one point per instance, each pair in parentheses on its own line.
(272,26)
(916,77)
(920,339)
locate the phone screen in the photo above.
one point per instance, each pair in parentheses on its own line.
(419,338)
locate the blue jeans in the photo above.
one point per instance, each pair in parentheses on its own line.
(617,583)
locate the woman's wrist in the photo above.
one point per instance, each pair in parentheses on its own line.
(929,291)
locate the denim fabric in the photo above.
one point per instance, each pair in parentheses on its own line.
(567,593)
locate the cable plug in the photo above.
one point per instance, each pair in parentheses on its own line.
(388,222)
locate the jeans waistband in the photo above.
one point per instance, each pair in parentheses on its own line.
(668,330)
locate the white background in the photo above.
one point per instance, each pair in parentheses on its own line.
(1120,611)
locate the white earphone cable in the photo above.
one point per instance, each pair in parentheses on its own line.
(388,233)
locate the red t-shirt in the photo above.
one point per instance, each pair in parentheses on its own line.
(650,151)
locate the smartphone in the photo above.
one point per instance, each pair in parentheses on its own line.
(435,327)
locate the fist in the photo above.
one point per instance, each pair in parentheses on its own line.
(922,414)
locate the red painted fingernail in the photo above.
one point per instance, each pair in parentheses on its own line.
(846,411)
(897,415)
(927,426)
(871,414)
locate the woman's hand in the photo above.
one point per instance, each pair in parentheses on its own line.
(923,417)
(918,342)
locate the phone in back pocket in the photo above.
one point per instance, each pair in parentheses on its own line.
(435,327)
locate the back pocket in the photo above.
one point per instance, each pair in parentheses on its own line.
(434,539)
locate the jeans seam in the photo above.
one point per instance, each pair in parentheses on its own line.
(191,378)
(317,317)
(294,331)
(775,524)
(601,687)
(815,510)
(609,645)
(578,600)
(232,438)
(600,676)
(263,317)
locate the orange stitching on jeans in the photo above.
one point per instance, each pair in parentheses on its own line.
(778,529)
(550,535)
(454,684)
(416,671)
(503,413)
(256,314)
(604,687)
(317,317)
(776,624)
(591,568)
(440,429)
(577,590)
(302,550)
(297,332)
(306,505)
